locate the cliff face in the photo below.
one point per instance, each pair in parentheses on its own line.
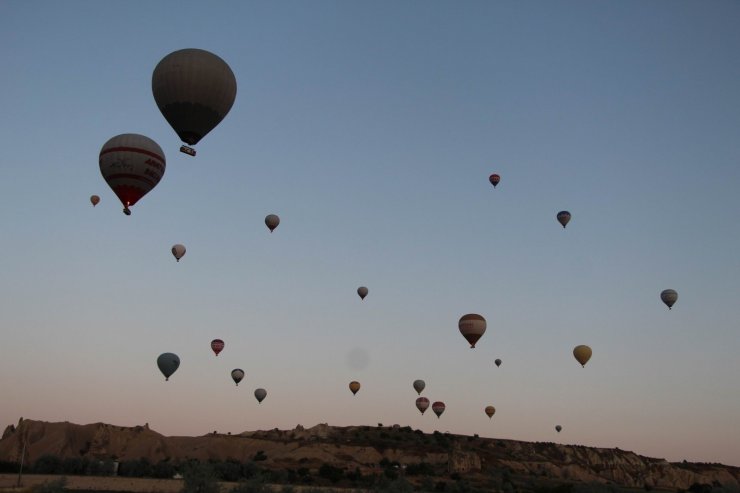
(363,447)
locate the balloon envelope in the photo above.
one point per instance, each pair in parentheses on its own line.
(194,89)
(168,363)
(260,394)
(422,403)
(272,222)
(95,200)
(132,165)
(354,387)
(237,375)
(494,179)
(490,411)
(563,217)
(472,326)
(419,386)
(362,291)
(582,354)
(217,345)
(178,251)
(438,408)
(498,362)
(669,297)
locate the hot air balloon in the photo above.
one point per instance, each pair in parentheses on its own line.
(498,362)
(419,386)
(422,403)
(217,345)
(237,374)
(194,89)
(558,428)
(168,363)
(132,165)
(494,179)
(669,297)
(582,354)
(178,251)
(354,387)
(563,217)
(272,222)
(362,291)
(438,408)
(490,411)
(260,394)
(472,326)
(94,200)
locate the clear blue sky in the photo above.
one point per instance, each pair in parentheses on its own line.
(371,128)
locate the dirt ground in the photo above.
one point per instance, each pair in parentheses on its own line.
(8,482)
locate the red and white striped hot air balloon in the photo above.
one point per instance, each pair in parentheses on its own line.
(472,326)
(422,403)
(217,345)
(438,408)
(132,165)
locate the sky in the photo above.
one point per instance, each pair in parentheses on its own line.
(371,129)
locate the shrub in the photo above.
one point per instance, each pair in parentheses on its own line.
(47,464)
(199,478)
(332,473)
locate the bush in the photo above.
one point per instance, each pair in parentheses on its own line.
(260,455)
(141,468)
(199,478)
(332,473)
(47,464)
(164,470)
(254,485)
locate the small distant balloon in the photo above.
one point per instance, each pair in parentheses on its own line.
(490,411)
(168,363)
(498,362)
(438,408)
(419,386)
(494,179)
(558,428)
(582,354)
(563,218)
(272,222)
(354,386)
(178,251)
(669,297)
(217,345)
(422,403)
(260,394)
(237,375)
(95,200)
(362,292)
(472,326)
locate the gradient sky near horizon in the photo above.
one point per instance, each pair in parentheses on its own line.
(371,128)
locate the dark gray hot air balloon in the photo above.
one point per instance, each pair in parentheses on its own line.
(558,428)
(669,297)
(194,89)
(178,251)
(260,394)
(362,292)
(237,374)
(563,218)
(168,363)
(498,362)
(419,386)
(272,221)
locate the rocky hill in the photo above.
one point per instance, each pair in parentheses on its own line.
(366,449)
